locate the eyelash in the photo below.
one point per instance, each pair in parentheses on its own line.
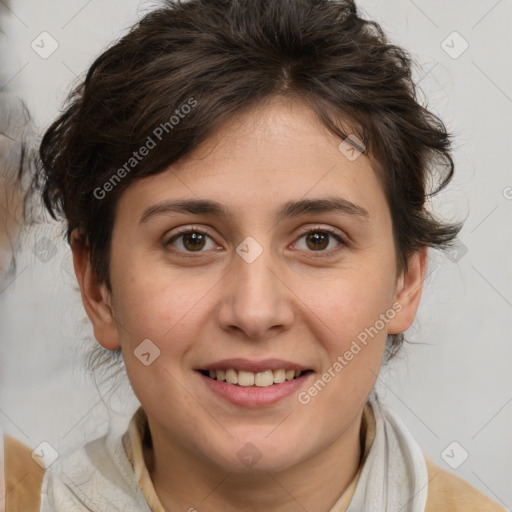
(319,254)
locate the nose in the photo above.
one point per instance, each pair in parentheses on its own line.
(256,303)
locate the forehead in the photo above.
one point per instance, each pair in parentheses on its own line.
(258,160)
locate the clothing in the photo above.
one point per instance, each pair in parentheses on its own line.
(395,475)
(109,474)
(23,477)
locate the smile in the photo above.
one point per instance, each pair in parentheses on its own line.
(260,379)
(254,383)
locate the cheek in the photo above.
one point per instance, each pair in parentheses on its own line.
(352,303)
(349,322)
(169,313)
(158,305)
(353,334)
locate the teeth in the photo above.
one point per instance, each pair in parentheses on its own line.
(264,379)
(231,376)
(279,376)
(245,378)
(258,379)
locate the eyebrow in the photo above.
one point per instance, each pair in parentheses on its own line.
(288,210)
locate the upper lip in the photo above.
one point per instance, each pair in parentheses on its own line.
(253,365)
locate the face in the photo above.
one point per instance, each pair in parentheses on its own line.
(285,263)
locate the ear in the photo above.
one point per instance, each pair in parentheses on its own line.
(96,298)
(408,291)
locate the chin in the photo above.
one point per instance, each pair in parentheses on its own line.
(252,454)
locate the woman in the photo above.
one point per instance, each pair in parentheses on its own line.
(244,189)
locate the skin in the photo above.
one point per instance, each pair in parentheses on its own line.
(290,303)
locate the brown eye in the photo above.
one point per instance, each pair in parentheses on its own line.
(191,240)
(318,240)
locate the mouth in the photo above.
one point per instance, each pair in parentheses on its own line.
(260,379)
(252,383)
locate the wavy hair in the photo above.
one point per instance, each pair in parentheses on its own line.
(230,55)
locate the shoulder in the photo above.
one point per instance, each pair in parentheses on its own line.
(91,477)
(23,477)
(447,491)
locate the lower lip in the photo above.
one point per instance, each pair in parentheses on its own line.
(253,396)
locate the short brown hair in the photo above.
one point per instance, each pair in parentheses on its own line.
(229,55)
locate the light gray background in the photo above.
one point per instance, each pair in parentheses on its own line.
(455,386)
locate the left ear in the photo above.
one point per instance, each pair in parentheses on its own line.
(408,291)
(96,298)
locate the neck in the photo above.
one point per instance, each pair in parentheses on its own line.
(188,483)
